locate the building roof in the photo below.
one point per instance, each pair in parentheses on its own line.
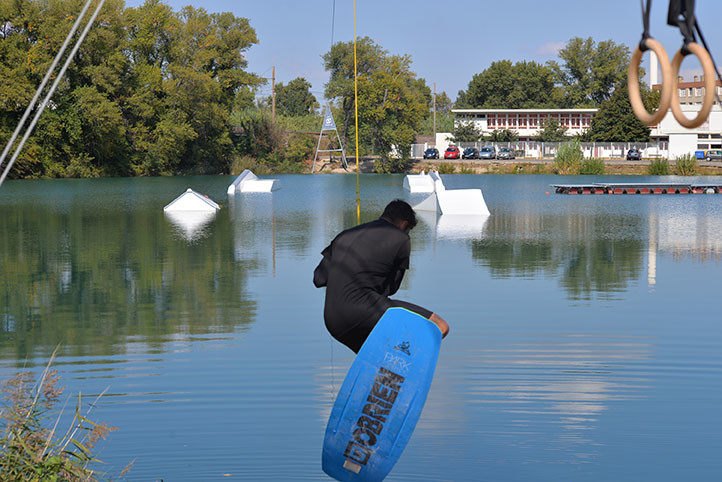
(530,111)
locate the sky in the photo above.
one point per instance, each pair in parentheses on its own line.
(448,40)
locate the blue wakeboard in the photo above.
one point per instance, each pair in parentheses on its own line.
(381,398)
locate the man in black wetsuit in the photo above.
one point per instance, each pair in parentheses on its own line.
(361,268)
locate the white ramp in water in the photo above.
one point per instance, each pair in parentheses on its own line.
(468,202)
(192,201)
(249,182)
(419,182)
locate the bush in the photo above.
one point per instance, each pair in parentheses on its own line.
(466,170)
(569,158)
(446,168)
(592,165)
(658,167)
(685,165)
(28,450)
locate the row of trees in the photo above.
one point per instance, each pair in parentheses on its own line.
(587,75)
(150,91)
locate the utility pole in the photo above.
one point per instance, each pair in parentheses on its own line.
(273,94)
(434,113)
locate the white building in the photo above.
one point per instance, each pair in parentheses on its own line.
(526,122)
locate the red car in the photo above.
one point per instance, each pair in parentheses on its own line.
(452,153)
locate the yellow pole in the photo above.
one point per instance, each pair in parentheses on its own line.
(355,91)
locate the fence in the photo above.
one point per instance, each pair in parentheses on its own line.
(541,150)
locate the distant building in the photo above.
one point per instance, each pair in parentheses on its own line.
(526,122)
(686,141)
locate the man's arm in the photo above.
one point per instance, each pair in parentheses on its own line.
(401,264)
(320,274)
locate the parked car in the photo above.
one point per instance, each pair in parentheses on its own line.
(470,153)
(431,153)
(634,154)
(452,153)
(488,152)
(713,155)
(506,153)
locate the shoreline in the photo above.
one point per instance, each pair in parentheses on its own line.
(613,167)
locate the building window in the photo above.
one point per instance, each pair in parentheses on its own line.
(683,92)
(512,121)
(502,121)
(699,92)
(492,121)
(533,120)
(522,121)
(702,146)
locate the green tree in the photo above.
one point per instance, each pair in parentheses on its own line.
(393,102)
(295,99)
(503,135)
(615,121)
(589,71)
(443,103)
(465,132)
(551,131)
(504,85)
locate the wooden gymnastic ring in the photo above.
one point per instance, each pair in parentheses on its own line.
(709,86)
(667,84)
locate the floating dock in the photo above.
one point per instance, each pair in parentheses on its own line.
(637,188)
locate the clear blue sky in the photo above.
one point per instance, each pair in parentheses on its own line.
(449,41)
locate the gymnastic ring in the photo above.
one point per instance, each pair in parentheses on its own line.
(709,86)
(667,84)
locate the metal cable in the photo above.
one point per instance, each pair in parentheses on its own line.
(51,91)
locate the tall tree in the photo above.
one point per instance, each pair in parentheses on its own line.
(443,103)
(615,121)
(589,71)
(392,100)
(504,85)
(295,99)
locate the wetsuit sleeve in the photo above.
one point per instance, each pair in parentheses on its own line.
(402,264)
(320,274)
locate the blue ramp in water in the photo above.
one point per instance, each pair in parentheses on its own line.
(381,398)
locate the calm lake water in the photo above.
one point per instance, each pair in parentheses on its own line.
(585,335)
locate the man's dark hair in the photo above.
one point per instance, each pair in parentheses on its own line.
(399,210)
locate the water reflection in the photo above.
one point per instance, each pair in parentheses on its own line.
(597,254)
(551,392)
(190,225)
(90,276)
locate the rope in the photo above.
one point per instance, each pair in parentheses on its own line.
(51,91)
(355,91)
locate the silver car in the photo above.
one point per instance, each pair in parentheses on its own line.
(506,153)
(487,152)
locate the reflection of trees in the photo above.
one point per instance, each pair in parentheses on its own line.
(592,254)
(90,279)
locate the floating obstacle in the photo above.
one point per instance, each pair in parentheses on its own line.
(249,182)
(419,182)
(190,213)
(468,202)
(192,201)
(637,188)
